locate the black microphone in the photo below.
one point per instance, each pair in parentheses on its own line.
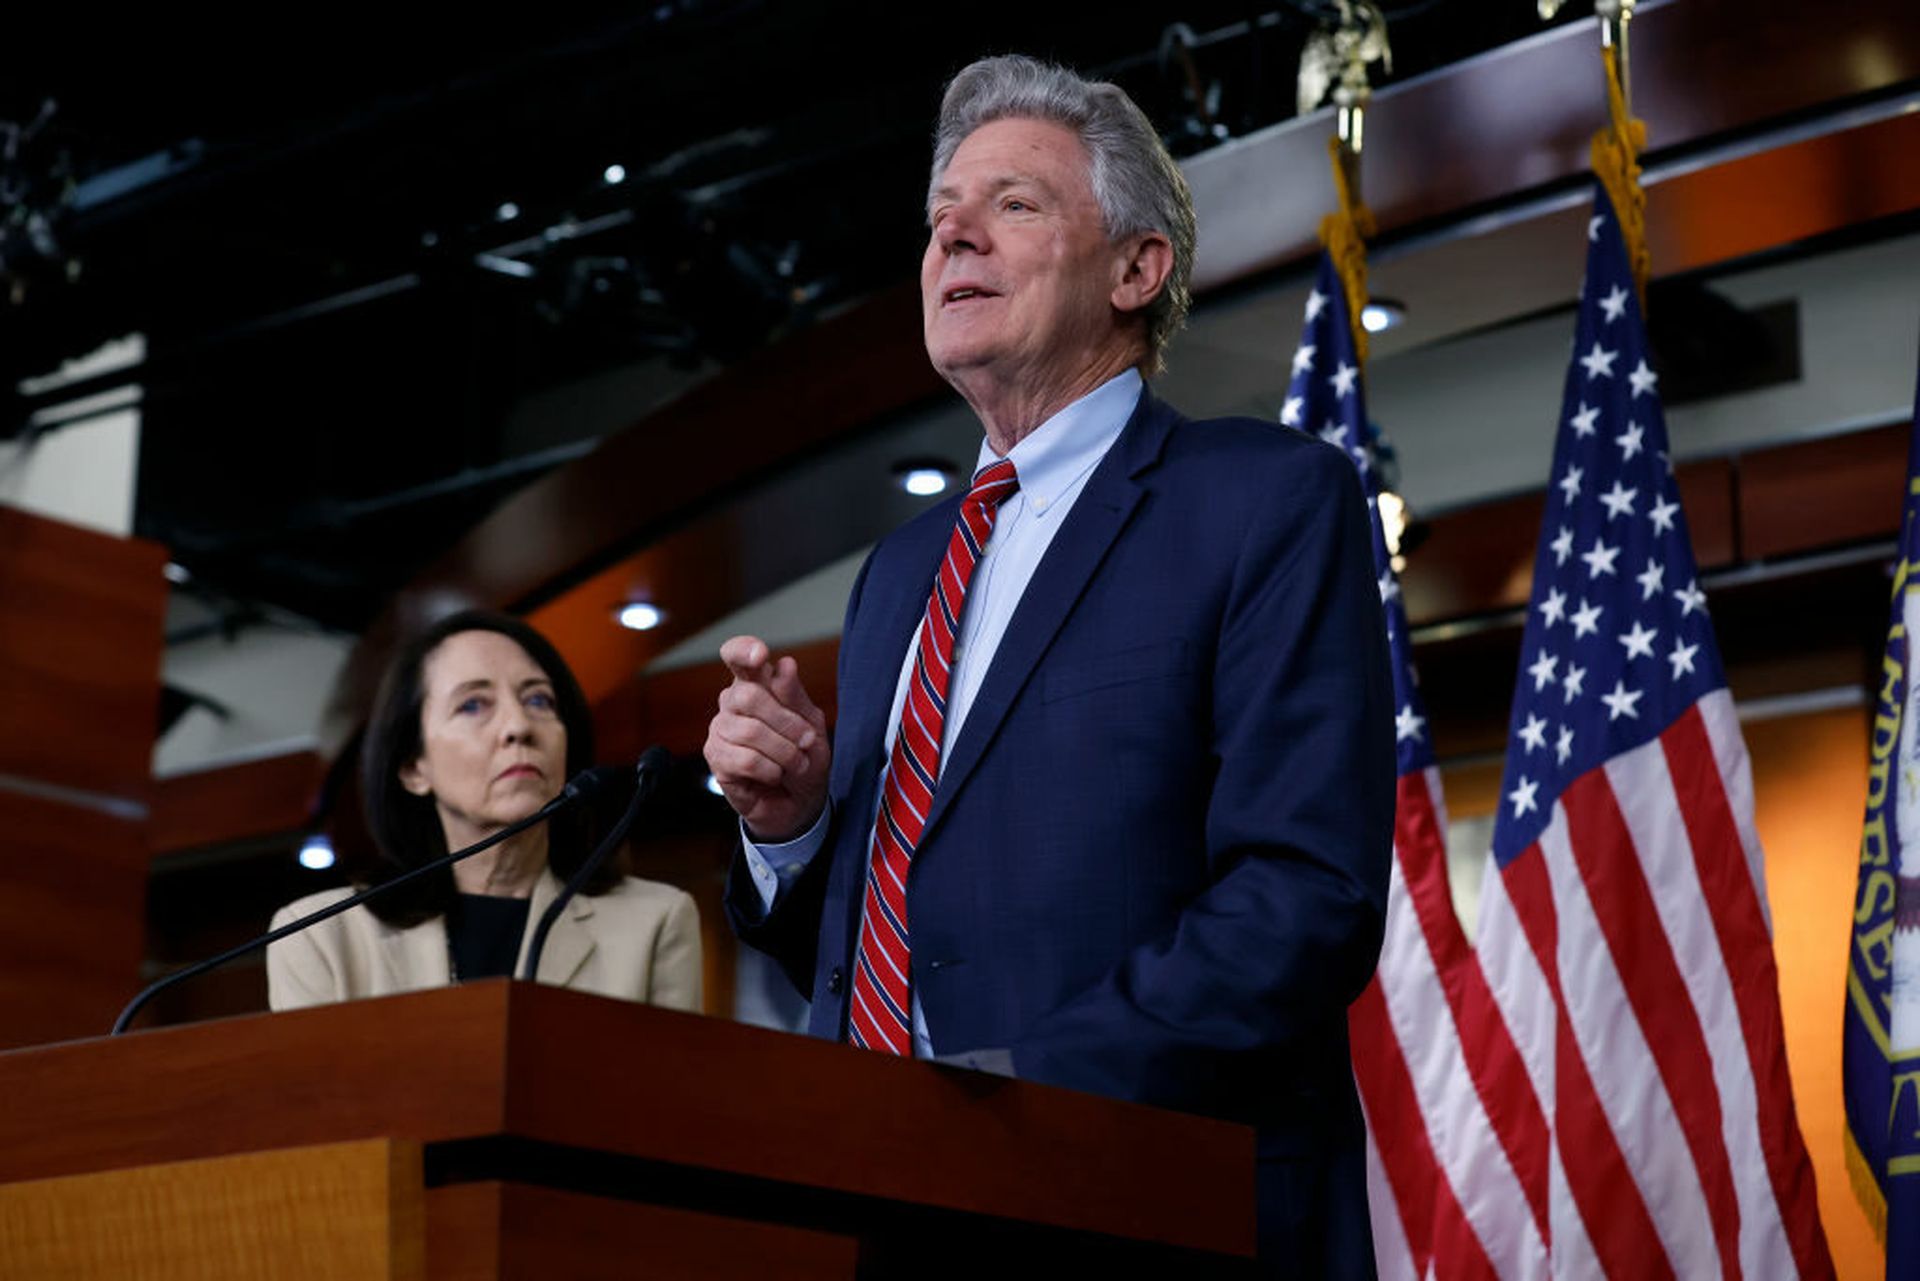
(585,784)
(646,776)
(593,782)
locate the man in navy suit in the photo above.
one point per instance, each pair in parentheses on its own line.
(1110,796)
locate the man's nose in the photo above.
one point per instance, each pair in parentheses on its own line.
(961,230)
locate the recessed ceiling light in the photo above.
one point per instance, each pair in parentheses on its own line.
(507,212)
(640,616)
(615,175)
(924,477)
(1381,314)
(316,853)
(1393,519)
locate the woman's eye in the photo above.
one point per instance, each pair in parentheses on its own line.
(470,705)
(543,702)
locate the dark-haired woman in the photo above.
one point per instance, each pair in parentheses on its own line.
(480,723)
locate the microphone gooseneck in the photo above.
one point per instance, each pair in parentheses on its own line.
(582,785)
(594,781)
(646,777)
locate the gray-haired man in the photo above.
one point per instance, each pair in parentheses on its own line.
(1111,786)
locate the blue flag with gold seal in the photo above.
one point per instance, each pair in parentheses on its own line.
(1882,1024)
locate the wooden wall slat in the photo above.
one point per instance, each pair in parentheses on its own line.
(1823,492)
(254,798)
(73,887)
(81,628)
(82,618)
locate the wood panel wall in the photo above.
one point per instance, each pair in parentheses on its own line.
(81,631)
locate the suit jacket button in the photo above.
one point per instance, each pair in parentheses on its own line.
(835,981)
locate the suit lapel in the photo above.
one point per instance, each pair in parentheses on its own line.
(897,608)
(416,958)
(1098,516)
(893,599)
(569,942)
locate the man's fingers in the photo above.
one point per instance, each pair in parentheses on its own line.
(746,798)
(734,763)
(754,668)
(756,735)
(748,658)
(751,702)
(767,743)
(792,694)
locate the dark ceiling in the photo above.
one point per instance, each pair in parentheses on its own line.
(351,344)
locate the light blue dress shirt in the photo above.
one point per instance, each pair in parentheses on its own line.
(1053,463)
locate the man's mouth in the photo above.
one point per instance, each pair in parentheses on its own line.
(964,293)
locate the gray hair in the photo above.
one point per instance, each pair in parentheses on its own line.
(1135,181)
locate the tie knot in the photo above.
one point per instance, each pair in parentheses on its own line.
(993,484)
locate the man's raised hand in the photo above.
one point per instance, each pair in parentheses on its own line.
(767,744)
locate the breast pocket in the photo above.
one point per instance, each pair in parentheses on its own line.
(1159,661)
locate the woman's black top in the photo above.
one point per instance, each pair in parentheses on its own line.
(483,935)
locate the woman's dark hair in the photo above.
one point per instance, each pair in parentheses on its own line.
(407,827)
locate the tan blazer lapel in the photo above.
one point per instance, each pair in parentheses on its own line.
(416,959)
(569,942)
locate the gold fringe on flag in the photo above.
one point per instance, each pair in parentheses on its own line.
(1866,1186)
(1344,236)
(1616,162)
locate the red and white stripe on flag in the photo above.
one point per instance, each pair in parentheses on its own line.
(1601,1089)
(1586,1092)
(1453,1116)
(1630,956)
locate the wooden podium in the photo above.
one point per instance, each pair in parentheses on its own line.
(508,1130)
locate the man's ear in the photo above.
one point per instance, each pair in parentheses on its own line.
(1144,273)
(414,779)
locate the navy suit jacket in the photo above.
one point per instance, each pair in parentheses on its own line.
(1156,863)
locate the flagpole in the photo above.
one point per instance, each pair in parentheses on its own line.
(1614,16)
(1616,149)
(1343,233)
(1408,1055)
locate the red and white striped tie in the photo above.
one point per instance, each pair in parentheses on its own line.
(879,1018)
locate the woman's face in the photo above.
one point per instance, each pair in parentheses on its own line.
(493,746)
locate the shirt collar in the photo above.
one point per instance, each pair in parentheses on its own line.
(1053,456)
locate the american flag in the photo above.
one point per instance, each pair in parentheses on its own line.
(1881,1036)
(1441,1196)
(1623,925)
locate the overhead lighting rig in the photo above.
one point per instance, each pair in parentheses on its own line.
(36,199)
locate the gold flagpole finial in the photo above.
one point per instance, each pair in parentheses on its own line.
(1614,16)
(1338,59)
(1616,149)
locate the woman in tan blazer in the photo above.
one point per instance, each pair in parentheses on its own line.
(478,724)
